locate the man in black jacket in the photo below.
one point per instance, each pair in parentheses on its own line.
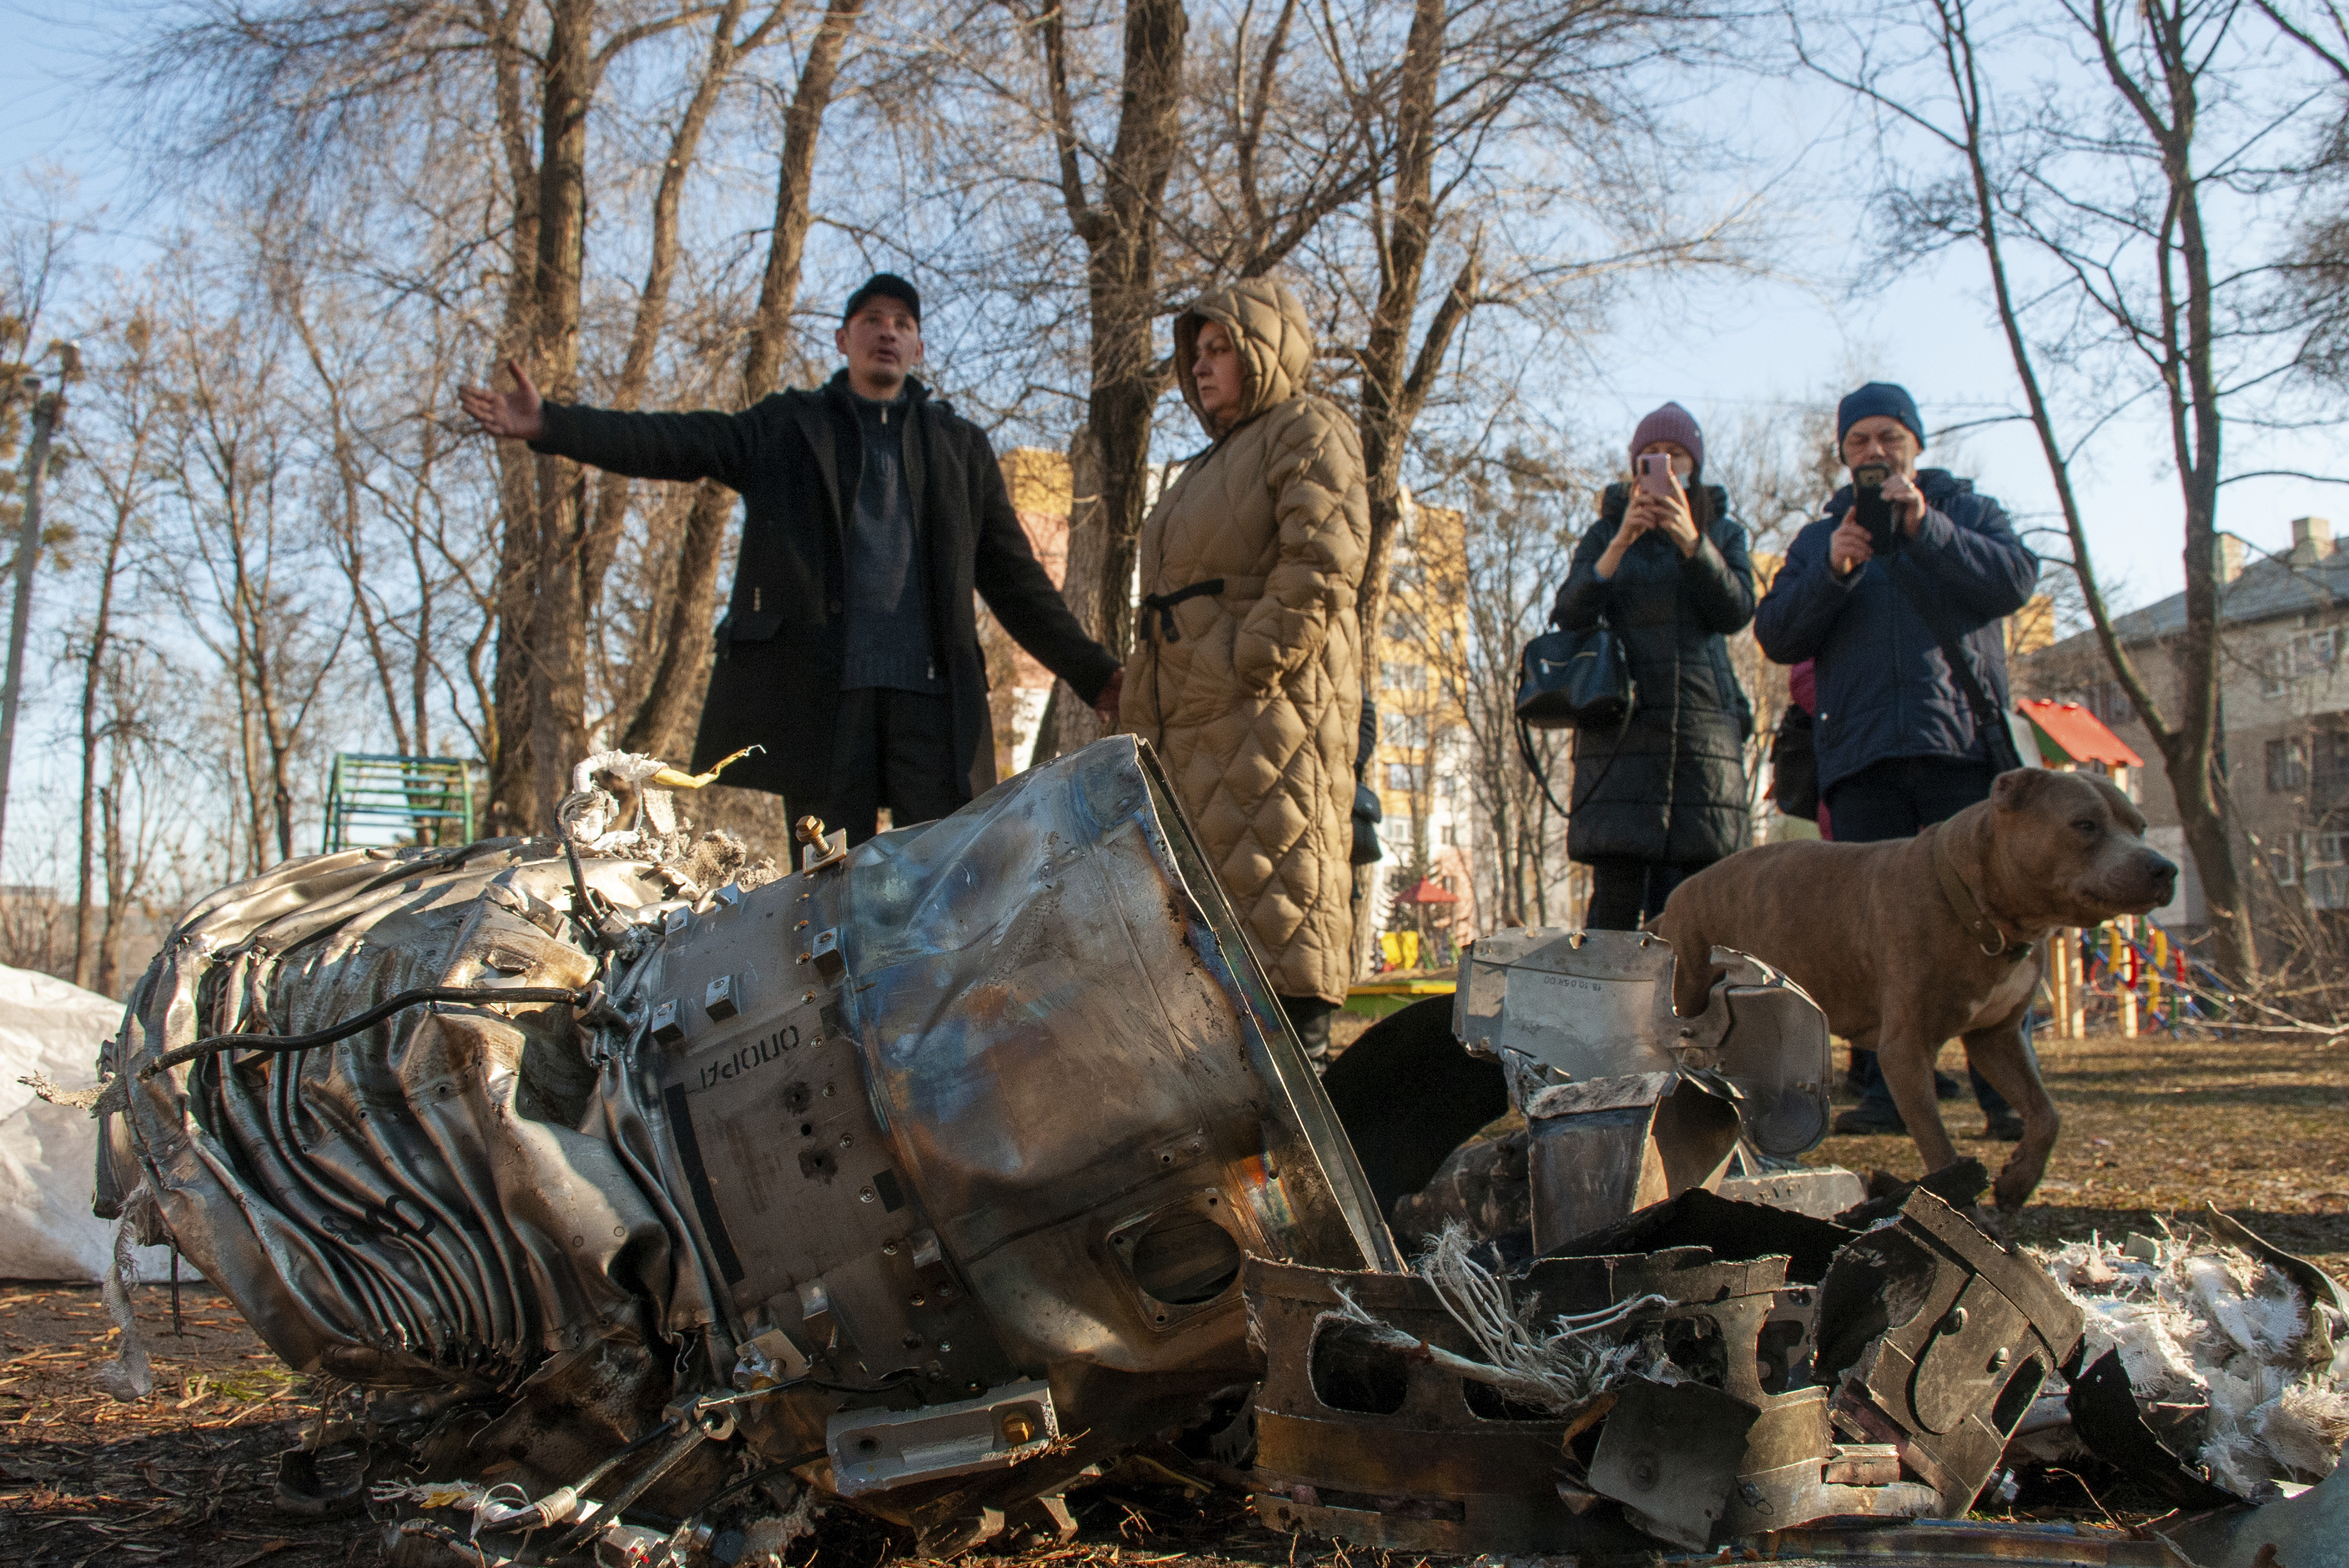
(849,647)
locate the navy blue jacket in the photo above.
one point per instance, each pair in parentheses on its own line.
(1885,690)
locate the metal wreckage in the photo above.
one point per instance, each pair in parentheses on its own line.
(631,1200)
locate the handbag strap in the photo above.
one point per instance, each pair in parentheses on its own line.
(1998,741)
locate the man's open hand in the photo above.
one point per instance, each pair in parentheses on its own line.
(518,414)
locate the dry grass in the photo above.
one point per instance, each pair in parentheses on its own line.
(2156,1128)
(186,1476)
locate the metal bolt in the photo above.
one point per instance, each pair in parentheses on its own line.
(848,1140)
(1018,1429)
(1955,1322)
(865,1196)
(2000,1357)
(1643,1474)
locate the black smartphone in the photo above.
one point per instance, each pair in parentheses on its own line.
(1872,510)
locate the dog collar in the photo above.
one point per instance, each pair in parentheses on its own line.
(1986,932)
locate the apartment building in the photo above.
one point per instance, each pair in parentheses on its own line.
(2284,717)
(1420,765)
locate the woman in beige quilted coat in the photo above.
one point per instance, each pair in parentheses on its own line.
(1246,668)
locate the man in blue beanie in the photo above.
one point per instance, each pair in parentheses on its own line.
(1899,744)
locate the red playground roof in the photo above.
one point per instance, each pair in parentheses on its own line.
(2077,734)
(1428,891)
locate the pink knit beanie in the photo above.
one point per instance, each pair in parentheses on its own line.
(1672,423)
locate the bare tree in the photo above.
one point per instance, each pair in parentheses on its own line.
(237,563)
(662,720)
(2112,229)
(125,479)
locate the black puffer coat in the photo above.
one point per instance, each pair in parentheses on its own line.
(1671,787)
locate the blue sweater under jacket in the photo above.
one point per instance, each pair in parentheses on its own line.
(1885,691)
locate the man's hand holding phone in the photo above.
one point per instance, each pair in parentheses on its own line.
(1848,547)
(1908,503)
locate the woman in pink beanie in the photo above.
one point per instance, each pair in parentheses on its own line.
(1670,574)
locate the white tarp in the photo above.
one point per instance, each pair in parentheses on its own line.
(49,1154)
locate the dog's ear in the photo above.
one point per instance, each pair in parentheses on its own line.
(2123,810)
(2017,788)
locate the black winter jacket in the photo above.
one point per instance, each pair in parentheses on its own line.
(1885,690)
(794,458)
(1672,788)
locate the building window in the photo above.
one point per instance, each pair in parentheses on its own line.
(1407,729)
(2288,765)
(2280,865)
(2328,759)
(2309,654)
(1403,677)
(1403,776)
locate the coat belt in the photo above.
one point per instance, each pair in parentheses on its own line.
(1247,587)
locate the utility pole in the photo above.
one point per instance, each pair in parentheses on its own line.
(48,410)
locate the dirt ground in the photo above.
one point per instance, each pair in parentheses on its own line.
(2153,1129)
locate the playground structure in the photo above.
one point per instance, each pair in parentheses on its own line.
(426,801)
(2127,976)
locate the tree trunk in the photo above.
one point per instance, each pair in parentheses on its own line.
(664,721)
(1119,228)
(603,540)
(1068,723)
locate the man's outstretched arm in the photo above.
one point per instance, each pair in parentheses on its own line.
(703,445)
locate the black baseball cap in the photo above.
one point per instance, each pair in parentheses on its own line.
(885,285)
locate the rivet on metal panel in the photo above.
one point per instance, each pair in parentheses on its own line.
(673,920)
(865,1195)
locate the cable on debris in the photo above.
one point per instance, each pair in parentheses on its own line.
(276,1045)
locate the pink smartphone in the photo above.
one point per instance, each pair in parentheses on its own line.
(1656,474)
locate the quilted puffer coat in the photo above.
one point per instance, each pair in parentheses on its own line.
(1670,787)
(1251,692)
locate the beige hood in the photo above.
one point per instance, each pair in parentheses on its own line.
(1274,336)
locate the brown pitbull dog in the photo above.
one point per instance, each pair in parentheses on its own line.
(1908,941)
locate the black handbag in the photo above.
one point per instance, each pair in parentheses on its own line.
(1575,680)
(1795,766)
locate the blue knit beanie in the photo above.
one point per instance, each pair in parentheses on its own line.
(1878,397)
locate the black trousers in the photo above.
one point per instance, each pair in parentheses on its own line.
(1901,796)
(1309,1016)
(893,748)
(1896,799)
(1625,894)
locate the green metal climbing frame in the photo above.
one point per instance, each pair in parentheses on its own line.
(422,800)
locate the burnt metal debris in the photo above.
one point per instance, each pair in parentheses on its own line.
(930,1176)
